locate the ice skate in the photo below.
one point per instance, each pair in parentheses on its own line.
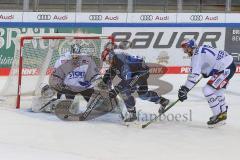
(163,103)
(217,120)
(131,116)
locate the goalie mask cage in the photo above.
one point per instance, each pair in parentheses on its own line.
(34,59)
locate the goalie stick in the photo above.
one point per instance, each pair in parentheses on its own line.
(166,109)
(49,102)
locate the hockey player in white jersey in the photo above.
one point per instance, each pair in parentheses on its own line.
(79,76)
(216,64)
(69,73)
(75,75)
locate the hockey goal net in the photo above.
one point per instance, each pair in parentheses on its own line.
(34,59)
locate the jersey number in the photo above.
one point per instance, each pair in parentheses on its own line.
(205,50)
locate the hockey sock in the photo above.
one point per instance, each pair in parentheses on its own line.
(221,99)
(212,99)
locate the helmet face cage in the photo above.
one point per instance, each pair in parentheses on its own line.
(75,51)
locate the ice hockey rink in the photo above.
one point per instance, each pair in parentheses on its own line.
(181,134)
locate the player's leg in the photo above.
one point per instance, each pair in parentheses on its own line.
(125,92)
(69,96)
(214,93)
(46,102)
(151,96)
(59,95)
(221,99)
(87,93)
(214,102)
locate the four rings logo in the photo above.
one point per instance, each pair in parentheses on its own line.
(146,17)
(196,18)
(95,17)
(44,17)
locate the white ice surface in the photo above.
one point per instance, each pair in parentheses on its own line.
(38,136)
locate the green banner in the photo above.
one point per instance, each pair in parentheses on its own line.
(8,38)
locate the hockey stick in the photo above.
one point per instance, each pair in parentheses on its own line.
(169,107)
(90,107)
(43,107)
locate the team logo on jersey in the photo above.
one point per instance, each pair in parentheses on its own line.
(76,74)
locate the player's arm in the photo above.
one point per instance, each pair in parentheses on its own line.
(193,77)
(195,73)
(56,80)
(109,75)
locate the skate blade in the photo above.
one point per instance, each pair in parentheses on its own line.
(217,125)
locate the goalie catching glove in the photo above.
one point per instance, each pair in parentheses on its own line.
(47,91)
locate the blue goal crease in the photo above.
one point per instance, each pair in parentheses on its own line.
(54,24)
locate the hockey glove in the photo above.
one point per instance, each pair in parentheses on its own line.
(102,85)
(182,93)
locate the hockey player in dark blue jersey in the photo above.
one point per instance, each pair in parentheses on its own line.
(133,73)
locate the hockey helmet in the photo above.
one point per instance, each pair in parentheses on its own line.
(190,43)
(104,54)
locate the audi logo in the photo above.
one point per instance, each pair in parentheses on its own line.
(196,18)
(44,17)
(95,17)
(146,17)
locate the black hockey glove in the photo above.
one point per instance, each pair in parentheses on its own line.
(182,93)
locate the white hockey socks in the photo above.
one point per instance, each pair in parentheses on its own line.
(215,99)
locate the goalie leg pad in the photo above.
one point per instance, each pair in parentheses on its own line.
(62,111)
(40,104)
